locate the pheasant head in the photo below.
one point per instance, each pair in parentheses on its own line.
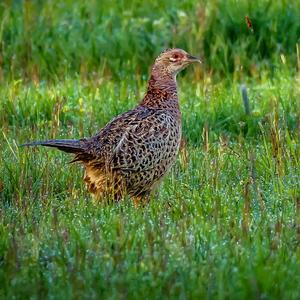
(162,87)
(172,61)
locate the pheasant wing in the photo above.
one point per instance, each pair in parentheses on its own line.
(146,142)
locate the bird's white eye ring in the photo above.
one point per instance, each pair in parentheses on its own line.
(172,59)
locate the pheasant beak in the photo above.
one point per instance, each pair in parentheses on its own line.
(191,59)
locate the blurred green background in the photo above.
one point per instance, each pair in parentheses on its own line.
(49,39)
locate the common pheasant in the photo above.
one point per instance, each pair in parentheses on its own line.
(132,153)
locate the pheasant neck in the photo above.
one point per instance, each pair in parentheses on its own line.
(162,91)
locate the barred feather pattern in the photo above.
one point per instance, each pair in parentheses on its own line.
(135,150)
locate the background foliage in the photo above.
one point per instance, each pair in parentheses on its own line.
(47,39)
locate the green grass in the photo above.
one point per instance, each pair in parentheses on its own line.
(226,221)
(47,39)
(225,224)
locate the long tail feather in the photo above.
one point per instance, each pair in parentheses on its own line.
(70,146)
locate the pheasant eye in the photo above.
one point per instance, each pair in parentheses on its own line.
(174,57)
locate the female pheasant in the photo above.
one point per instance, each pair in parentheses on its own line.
(132,153)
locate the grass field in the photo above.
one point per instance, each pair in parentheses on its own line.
(226,221)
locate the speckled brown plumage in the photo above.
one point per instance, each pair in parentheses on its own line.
(132,153)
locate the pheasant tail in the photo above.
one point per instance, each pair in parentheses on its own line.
(70,146)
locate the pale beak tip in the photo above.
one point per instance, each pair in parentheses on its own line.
(192,58)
